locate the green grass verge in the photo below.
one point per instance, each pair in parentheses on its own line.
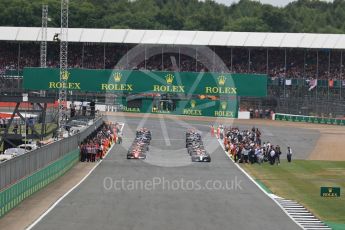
(301,181)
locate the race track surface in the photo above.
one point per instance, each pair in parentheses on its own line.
(120,194)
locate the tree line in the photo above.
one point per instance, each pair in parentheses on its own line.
(302,16)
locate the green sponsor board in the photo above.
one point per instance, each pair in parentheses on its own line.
(330,191)
(209,108)
(126,81)
(311,119)
(193,107)
(315,120)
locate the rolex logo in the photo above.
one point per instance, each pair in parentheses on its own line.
(330,190)
(169,78)
(117,76)
(223,104)
(221,80)
(65,75)
(192,103)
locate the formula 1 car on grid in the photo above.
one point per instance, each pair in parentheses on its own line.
(195,147)
(140,145)
(144,133)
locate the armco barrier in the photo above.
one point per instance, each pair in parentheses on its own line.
(13,195)
(22,166)
(308,119)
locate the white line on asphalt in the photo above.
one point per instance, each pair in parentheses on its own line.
(143,121)
(165,131)
(68,192)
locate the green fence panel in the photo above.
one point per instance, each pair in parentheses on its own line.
(12,196)
(309,119)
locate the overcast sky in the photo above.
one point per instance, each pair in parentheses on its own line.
(272,2)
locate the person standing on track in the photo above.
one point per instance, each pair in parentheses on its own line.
(289,154)
(272,155)
(221,132)
(245,153)
(212,131)
(218,132)
(277,155)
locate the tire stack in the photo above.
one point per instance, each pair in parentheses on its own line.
(140,144)
(195,147)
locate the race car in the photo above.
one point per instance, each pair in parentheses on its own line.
(136,154)
(140,144)
(203,157)
(144,134)
(195,147)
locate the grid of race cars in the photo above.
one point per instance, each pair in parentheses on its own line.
(194,145)
(140,145)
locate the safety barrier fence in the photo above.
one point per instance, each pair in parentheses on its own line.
(12,196)
(308,119)
(13,170)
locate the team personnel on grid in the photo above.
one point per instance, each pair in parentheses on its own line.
(289,154)
(212,131)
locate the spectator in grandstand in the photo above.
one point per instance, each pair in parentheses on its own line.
(297,64)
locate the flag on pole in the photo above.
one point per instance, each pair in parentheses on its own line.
(288,82)
(312,84)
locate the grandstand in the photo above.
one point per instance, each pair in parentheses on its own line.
(306,71)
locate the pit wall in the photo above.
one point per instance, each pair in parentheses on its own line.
(16,193)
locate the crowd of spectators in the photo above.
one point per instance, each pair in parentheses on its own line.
(282,63)
(94,147)
(246,146)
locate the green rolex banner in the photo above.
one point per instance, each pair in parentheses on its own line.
(193,107)
(125,81)
(330,191)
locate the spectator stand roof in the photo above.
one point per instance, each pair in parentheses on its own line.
(174,37)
